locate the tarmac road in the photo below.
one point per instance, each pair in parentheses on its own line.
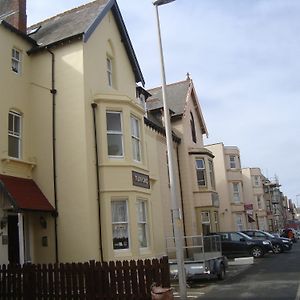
(274,277)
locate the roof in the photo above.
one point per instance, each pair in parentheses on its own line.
(176,96)
(24,194)
(81,22)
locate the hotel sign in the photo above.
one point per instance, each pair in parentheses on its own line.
(140,180)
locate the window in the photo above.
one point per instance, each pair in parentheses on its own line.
(236,192)
(200,169)
(135,137)
(205,219)
(193,130)
(16,61)
(239,222)
(236,237)
(114,133)
(120,228)
(142,223)
(259,202)
(109,67)
(14,134)
(212,174)
(232,161)
(256,180)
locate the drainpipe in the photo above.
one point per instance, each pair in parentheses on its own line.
(53,91)
(94,107)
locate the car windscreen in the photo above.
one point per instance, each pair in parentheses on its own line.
(245,235)
(269,234)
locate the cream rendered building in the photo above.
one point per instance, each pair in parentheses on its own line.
(197,190)
(229,185)
(255,204)
(83,175)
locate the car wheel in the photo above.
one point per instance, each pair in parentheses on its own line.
(257,252)
(277,249)
(222,272)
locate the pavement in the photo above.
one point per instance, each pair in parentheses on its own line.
(199,288)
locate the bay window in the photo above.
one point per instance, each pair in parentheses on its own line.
(114,134)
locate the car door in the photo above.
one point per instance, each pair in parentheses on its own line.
(238,243)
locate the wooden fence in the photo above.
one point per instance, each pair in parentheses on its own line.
(128,280)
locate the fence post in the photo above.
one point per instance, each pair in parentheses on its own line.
(165,272)
(29,283)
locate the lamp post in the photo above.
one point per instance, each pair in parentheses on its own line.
(177,220)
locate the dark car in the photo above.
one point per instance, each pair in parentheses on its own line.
(237,244)
(279,244)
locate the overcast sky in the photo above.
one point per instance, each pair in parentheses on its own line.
(244,59)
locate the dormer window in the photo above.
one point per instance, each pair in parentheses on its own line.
(16,61)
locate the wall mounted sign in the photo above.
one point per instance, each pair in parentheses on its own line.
(140,180)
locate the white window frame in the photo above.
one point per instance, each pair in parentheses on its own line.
(14,133)
(236,192)
(16,61)
(199,170)
(239,222)
(232,162)
(212,174)
(109,70)
(205,217)
(120,223)
(136,138)
(143,223)
(115,132)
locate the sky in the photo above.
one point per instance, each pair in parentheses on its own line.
(244,59)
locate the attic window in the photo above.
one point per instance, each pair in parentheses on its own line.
(109,67)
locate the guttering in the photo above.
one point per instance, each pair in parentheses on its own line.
(94,107)
(53,91)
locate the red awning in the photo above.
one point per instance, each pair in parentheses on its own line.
(25,194)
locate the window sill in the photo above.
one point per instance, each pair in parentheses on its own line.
(8,160)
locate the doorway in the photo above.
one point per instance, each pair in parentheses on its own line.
(13,240)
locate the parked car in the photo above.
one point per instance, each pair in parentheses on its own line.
(236,244)
(279,244)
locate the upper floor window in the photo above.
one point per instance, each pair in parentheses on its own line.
(236,192)
(14,134)
(193,129)
(200,169)
(114,133)
(256,180)
(142,223)
(120,225)
(232,161)
(212,174)
(109,67)
(135,137)
(16,61)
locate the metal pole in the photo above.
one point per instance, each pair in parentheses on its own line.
(177,221)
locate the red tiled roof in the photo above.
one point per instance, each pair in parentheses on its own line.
(26,194)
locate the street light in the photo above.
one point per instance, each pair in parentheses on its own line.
(177,221)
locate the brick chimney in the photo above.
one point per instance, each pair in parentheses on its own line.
(14,13)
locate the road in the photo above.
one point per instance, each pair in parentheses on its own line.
(275,277)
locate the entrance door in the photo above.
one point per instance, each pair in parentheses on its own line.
(13,240)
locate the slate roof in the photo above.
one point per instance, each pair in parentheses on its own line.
(81,22)
(68,24)
(176,97)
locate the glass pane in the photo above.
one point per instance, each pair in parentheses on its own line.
(114,143)
(141,212)
(135,127)
(119,211)
(13,146)
(136,149)
(200,177)
(17,122)
(142,235)
(200,163)
(120,236)
(113,122)
(10,122)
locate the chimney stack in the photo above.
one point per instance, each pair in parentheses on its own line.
(14,13)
